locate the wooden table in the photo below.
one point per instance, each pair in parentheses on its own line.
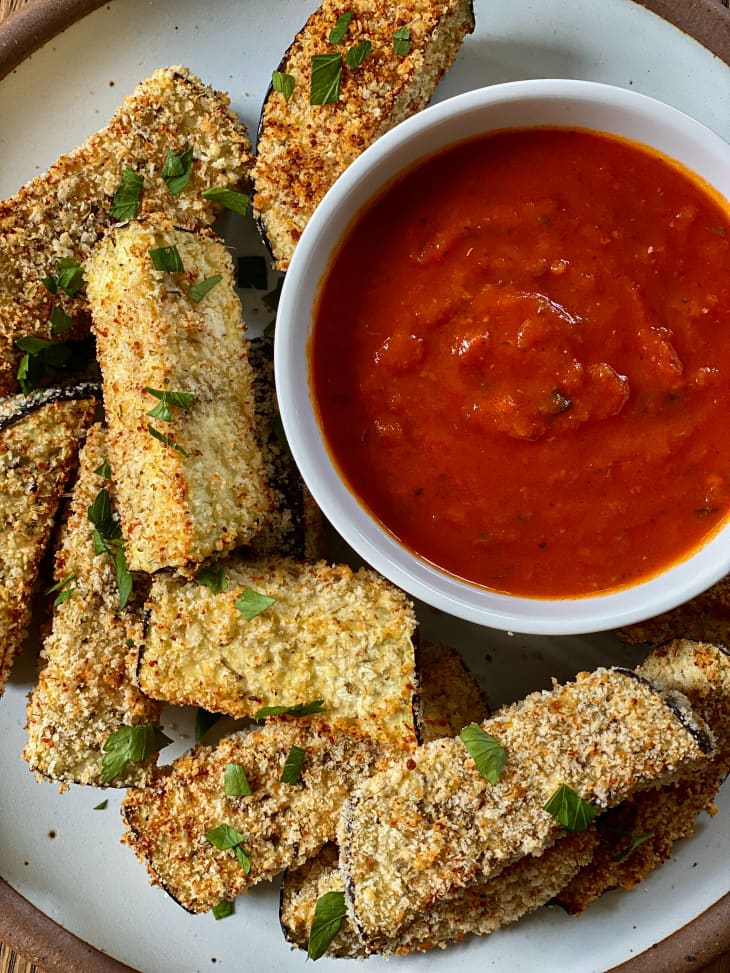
(11,962)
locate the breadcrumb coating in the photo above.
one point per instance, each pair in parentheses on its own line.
(39,441)
(331,633)
(428,826)
(85,687)
(202,489)
(303,148)
(63,213)
(705,618)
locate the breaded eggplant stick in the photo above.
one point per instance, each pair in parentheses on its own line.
(638,835)
(281,824)
(85,689)
(39,440)
(425,828)
(62,213)
(191,484)
(705,618)
(303,148)
(329,633)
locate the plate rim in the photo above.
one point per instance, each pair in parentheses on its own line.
(35,936)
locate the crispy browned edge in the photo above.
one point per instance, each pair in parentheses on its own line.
(38,938)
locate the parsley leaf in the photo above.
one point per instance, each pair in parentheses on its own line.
(283,83)
(64,592)
(329,912)
(235,782)
(101,806)
(204,721)
(251,603)
(107,539)
(60,321)
(634,841)
(226,838)
(127,197)
(167,259)
(214,577)
(488,754)
(236,202)
(299,709)
(401,42)
(103,469)
(341,25)
(70,276)
(357,54)
(130,744)
(39,355)
(156,434)
(198,291)
(223,909)
(569,809)
(182,400)
(292,770)
(176,170)
(326,74)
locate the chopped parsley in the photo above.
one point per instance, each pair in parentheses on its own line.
(104,470)
(236,202)
(357,54)
(167,259)
(107,538)
(283,83)
(38,356)
(634,841)
(130,744)
(329,912)
(156,434)
(198,291)
(251,603)
(213,576)
(166,397)
(63,589)
(235,781)
(401,42)
(127,197)
(569,809)
(337,34)
(176,170)
(60,321)
(326,75)
(299,709)
(226,838)
(223,909)
(101,806)
(486,752)
(292,770)
(70,277)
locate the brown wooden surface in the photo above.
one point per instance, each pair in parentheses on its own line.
(11,962)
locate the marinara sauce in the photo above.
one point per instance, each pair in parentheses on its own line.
(521,361)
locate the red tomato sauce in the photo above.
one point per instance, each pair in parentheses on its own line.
(521,361)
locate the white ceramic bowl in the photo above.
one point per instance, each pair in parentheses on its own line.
(514,105)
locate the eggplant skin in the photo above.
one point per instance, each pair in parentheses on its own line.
(19,407)
(303,148)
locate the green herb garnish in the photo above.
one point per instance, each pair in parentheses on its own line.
(107,538)
(251,603)
(181,400)
(329,912)
(341,26)
(226,838)
(326,74)
(127,197)
(634,841)
(176,170)
(104,470)
(70,277)
(570,810)
(486,752)
(223,909)
(235,782)
(237,202)
(292,770)
(130,744)
(39,355)
(60,321)
(357,54)
(156,434)
(283,83)
(401,42)
(198,291)
(299,709)
(213,576)
(62,587)
(204,721)
(101,806)
(167,259)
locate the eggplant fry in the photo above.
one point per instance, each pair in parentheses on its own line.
(39,441)
(330,633)
(303,147)
(705,618)
(85,689)
(178,395)
(61,214)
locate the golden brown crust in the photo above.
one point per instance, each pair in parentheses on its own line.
(63,212)
(303,148)
(450,695)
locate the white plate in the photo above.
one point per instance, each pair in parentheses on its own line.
(83,877)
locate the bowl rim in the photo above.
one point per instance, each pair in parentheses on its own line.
(337,211)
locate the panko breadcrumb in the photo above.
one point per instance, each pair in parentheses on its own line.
(62,213)
(303,148)
(39,440)
(85,689)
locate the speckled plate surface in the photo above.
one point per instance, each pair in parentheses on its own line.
(65,858)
